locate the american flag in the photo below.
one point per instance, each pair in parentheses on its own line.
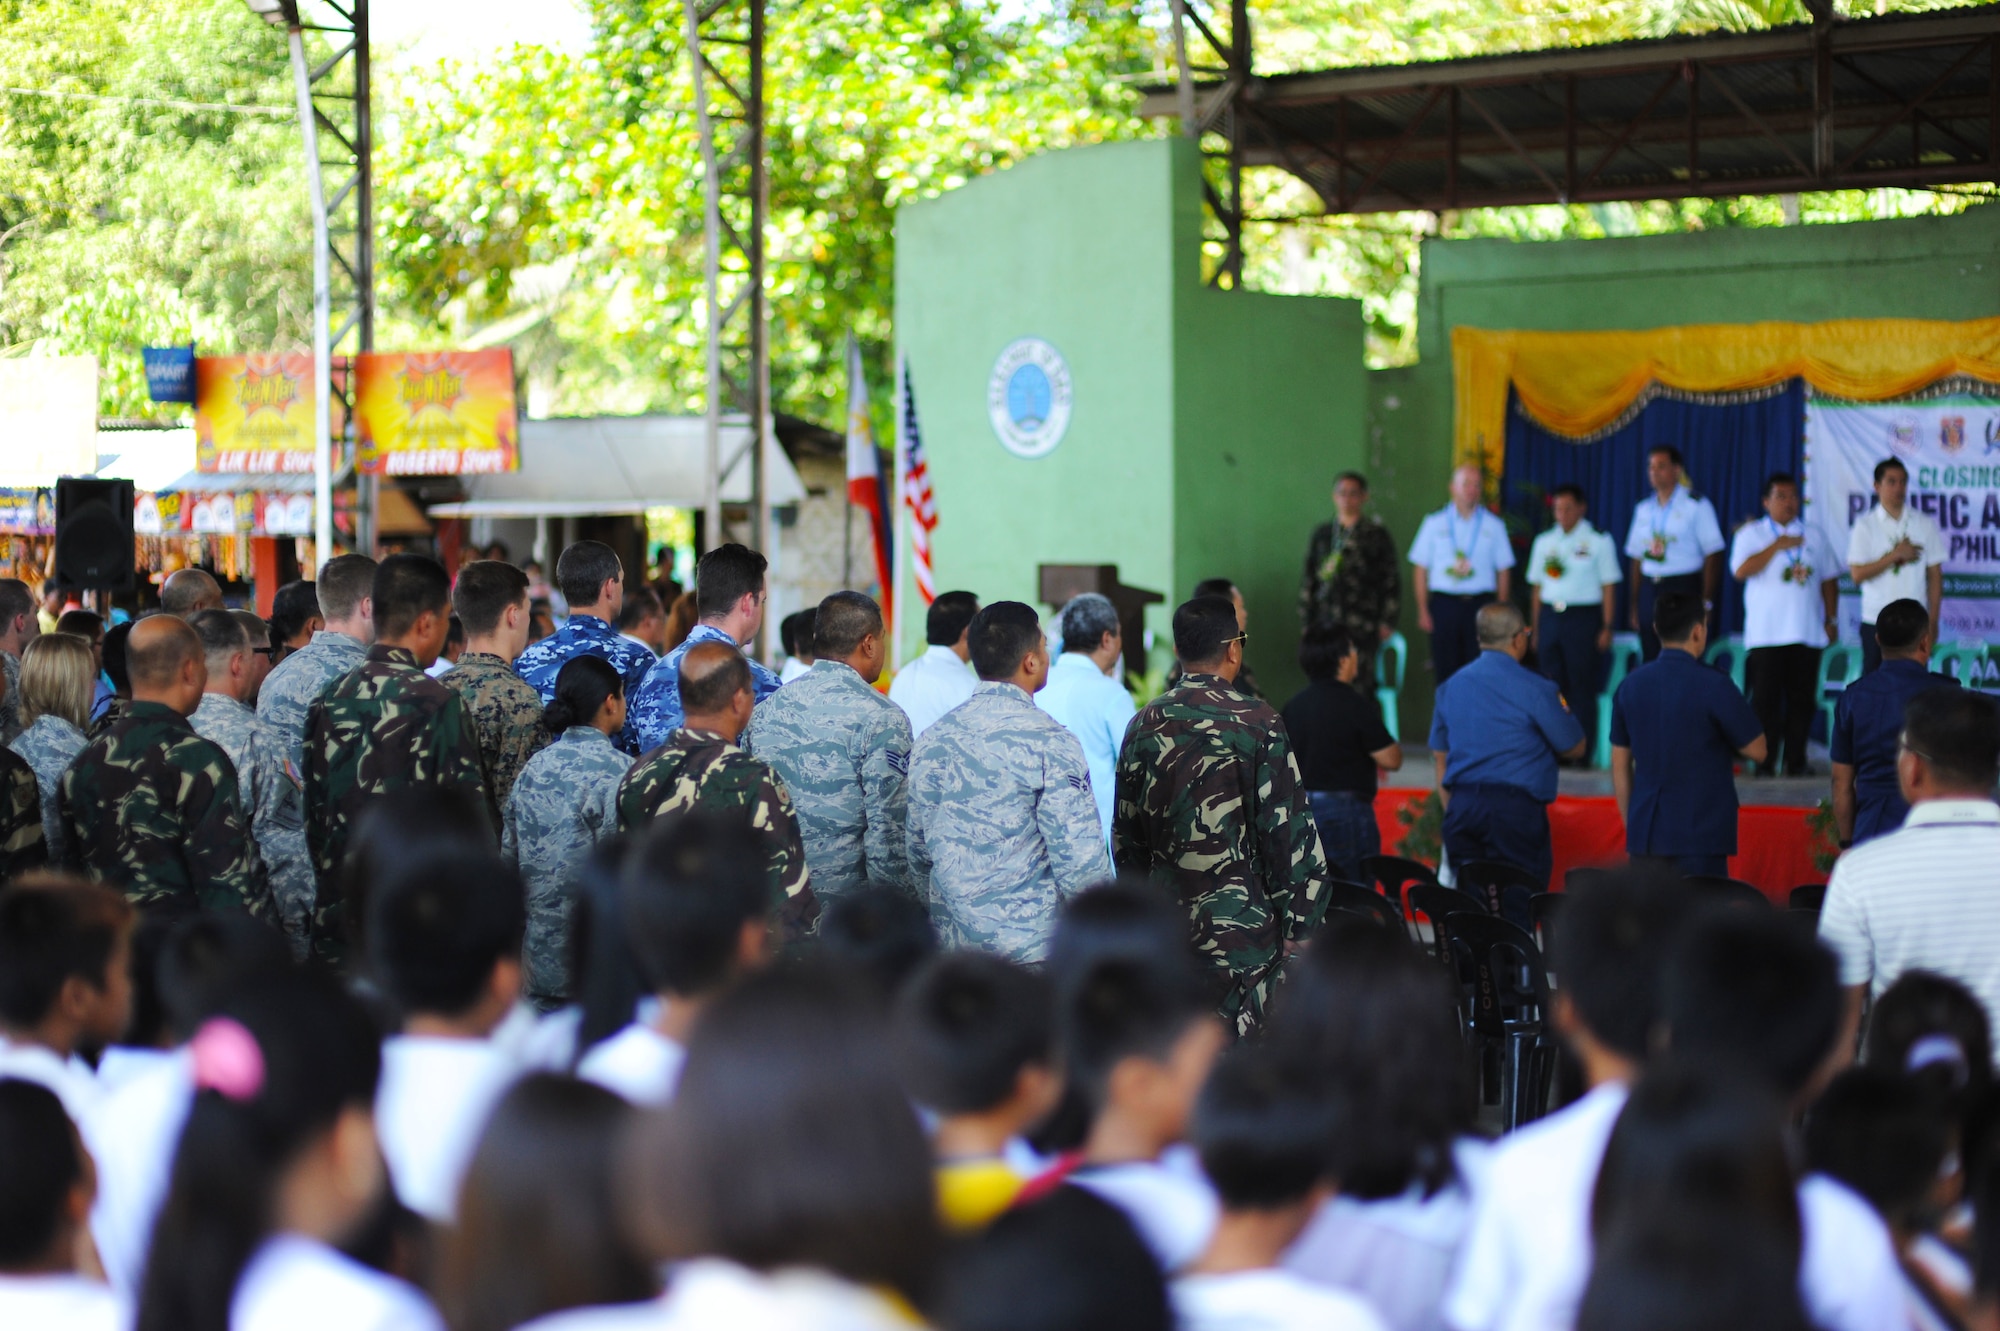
(917,495)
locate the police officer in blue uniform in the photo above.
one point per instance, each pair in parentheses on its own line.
(1497,733)
(1868,725)
(1677,728)
(1461,560)
(1675,544)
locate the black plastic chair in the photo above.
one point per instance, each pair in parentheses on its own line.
(1506,887)
(1507,1007)
(1811,896)
(1584,876)
(1729,891)
(1546,908)
(1803,919)
(1392,876)
(1435,901)
(1366,902)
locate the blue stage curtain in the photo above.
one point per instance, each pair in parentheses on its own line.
(1729,448)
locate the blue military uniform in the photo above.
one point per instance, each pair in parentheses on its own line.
(653,710)
(1867,734)
(1685,723)
(1502,726)
(1462,559)
(587,635)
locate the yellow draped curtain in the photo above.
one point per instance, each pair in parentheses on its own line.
(1578,383)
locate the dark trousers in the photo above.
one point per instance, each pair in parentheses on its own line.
(1566,642)
(1454,632)
(1784,684)
(1649,589)
(1495,822)
(1347,831)
(1871,650)
(1688,866)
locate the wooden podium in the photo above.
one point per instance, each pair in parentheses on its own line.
(1060,582)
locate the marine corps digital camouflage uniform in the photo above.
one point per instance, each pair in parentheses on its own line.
(273,798)
(843,752)
(1003,825)
(505,713)
(1209,801)
(21,843)
(296,682)
(151,807)
(564,802)
(50,745)
(382,727)
(698,769)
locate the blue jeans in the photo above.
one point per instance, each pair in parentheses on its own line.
(1347,831)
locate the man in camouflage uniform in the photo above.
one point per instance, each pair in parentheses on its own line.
(592,580)
(491,600)
(843,751)
(268,782)
(345,590)
(383,727)
(154,808)
(22,846)
(729,592)
(1003,825)
(1209,802)
(19,625)
(1351,576)
(700,767)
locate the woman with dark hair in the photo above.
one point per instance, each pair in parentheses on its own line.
(562,804)
(536,1231)
(277,1168)
(1380,1021)
(1340,742)
(1692,1270)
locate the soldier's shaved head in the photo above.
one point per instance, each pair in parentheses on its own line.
(712,673)
(189,590)
(841,622)
(1497,623)
(159,647)
(222,636)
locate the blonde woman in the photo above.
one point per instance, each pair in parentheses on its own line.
(58,681)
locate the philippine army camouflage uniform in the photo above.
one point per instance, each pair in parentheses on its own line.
(50,745)
(382,727)
(269,785)
(655,707)
(563,803)
(843,752)
(21,843)
(698,769)
(10,703)
(505,713)
(1352,580)
(153,808)
(296,682)
(1003,826)
(587,635)
(1209,801)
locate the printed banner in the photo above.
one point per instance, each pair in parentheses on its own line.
(445,413)
(253,413)
(28,512)
(1952,447)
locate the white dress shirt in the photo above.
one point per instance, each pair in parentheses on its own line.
(710,1294)
(1267,1300)
(1782,602)
(1675,538)
(1463,556)
(430,1109)
(1096,709)
(297,1284)
(132,1135)
(1174,1210)
(1588,563)
(931,685)
(1874,535)
(64,1302)
(70,1078)
(638,1063)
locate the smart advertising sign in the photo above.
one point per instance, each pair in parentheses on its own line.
(1028,397)
(444,413)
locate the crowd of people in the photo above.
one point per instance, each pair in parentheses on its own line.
(405,962)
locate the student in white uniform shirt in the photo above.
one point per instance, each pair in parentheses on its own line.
(277,1168)
(1262,1128)
(444,936)
(697,916)
(65,982)
(1572,584)
(942,677)
(1673,545)
(1894,551)
(44,1198)
(1791,589)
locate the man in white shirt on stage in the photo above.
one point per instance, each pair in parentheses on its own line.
(1791,589)
(1894,551)
(1461,560)
(940,679)
(1675,544)
(1572,582)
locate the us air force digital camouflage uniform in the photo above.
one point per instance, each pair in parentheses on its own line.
(843,752)
(50,745)
(1209,801)
(10,704)
(698,769)
(505,713)
(21,844)
(1003,827)
(654,709)
(382,727)
(587,635)
(153,808)
(269,786)
(296,682)
(564,802)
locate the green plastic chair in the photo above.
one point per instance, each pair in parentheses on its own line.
(1839,666)
(1390,660)
(1625,654)
(1729,649)
(1968,655)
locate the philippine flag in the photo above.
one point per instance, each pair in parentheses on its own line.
(864,468)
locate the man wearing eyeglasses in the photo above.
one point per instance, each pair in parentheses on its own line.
(1498,730)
